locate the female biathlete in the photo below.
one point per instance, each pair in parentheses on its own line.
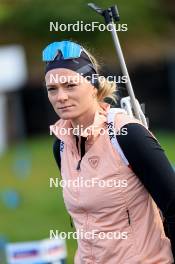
(127,189)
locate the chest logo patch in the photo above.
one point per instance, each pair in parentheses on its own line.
(94,161)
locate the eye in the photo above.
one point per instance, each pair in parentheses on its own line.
(71,84)
(50,89)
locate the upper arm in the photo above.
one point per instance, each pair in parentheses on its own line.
(149,163)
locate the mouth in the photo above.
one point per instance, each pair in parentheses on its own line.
(64,107)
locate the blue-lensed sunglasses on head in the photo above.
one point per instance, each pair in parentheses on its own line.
(69,50)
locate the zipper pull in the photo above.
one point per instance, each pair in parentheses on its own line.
(71,224)
(78,165)
(129,220)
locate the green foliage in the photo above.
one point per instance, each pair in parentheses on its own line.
(32,17)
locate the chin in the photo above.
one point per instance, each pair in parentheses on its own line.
(66,116)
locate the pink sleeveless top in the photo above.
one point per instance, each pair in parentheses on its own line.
(124,222)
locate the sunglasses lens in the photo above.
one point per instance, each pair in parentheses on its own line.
(69,50)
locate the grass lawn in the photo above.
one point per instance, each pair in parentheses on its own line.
(27,168)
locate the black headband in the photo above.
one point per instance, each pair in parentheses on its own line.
(81,65)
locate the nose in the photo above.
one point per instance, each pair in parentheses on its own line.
(61,96)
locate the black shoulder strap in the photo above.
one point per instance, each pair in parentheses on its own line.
(58,146)
(56,152)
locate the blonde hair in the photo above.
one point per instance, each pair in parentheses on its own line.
(107,89)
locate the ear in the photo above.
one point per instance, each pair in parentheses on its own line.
(95,91)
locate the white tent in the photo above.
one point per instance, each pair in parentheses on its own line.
(13,74)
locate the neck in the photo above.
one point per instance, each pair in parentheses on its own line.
(86,119)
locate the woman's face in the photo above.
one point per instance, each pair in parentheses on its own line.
(70,94)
